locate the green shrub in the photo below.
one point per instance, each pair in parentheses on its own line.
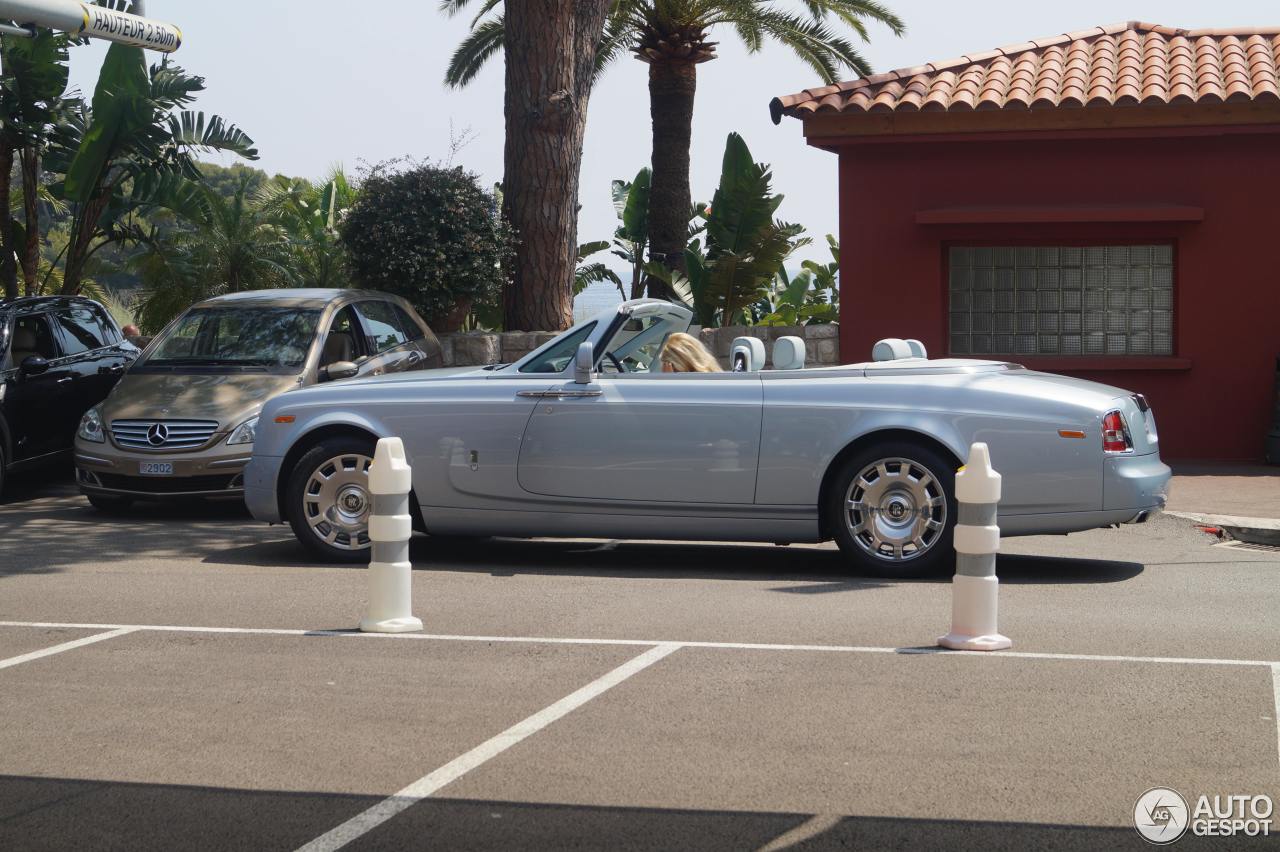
(428,233)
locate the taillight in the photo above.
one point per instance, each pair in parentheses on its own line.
(1115,435)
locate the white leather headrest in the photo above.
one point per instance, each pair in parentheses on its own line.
(788,353)
(746,355)
(917,348)
(890,349)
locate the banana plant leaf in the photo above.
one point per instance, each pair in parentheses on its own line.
(36,72)
(121,109)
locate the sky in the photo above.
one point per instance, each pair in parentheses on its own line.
(319,82)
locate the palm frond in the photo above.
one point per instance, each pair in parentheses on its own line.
(189,128)
(476,49)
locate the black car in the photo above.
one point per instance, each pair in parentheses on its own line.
(59,356)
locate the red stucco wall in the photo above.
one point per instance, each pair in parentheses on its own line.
(1226,275)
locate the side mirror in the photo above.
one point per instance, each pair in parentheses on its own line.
(339,370)
(34,365)
(584,362)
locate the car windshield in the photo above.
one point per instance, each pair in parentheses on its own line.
(557,355)
(240,337)
(638,340)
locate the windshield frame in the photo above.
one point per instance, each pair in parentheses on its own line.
(150,363)
(606,326)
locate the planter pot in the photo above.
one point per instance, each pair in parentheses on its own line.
(451,321)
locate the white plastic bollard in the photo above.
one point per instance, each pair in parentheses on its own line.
(390,527)
(975,589)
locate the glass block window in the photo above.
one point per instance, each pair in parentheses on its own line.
(1061,300)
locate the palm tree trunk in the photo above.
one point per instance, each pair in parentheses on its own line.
(672,85)
(82,230)
(8,264)
(31,250)
(550,50)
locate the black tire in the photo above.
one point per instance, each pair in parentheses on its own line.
(309,520)
(870,539)
(109,504)
(4,462)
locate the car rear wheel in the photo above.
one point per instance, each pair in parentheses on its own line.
(108,504)
(328,499)
(891,508)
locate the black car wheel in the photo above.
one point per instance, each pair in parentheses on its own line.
(891,508)
(328,502)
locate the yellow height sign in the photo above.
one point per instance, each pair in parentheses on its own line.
(89,20)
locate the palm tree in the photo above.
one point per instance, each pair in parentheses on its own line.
(309,214)
(33,83)
(217,245)
(673,37)
(135,136)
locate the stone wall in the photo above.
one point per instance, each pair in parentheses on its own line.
(479,348)
(821,342)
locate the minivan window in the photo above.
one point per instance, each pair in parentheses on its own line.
(408,323)
(270,338)
(82,329)
(384,328)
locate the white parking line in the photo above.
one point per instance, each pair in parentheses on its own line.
(65,646)
(733,646)
(807,830)
(1275,686)
(375,816)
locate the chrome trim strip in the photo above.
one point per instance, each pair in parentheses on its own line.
(160,495)
(93,459)
(558,394)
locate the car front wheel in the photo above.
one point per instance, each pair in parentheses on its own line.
(891,508)
(328,499)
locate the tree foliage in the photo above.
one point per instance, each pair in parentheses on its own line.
(136,134)
(222,245)
(429,233)
(745,245)
(810,296)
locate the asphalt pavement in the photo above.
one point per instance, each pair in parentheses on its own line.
(183,677)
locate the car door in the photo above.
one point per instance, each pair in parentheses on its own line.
(392,352)
(658,437)
(345,340)
(40,405)
(421,339)
(90,349)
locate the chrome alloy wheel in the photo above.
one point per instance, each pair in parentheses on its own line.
(336,501)
(895,509)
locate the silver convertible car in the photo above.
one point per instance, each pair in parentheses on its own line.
(581,438)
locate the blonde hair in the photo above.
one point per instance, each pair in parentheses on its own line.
(686,354)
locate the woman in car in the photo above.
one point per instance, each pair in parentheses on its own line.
(684,353)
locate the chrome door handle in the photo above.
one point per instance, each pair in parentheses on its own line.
(558,394)
(66,379)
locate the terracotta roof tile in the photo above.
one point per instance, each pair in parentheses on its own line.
(1128,64)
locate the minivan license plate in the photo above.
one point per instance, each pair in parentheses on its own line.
(155,468)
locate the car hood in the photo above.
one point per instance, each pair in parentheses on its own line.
(227,398)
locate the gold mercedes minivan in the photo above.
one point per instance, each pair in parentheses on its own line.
(181,421)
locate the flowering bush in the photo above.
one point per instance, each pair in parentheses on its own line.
(431,234)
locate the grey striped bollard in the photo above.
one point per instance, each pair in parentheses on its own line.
(975,589)
(390,527)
